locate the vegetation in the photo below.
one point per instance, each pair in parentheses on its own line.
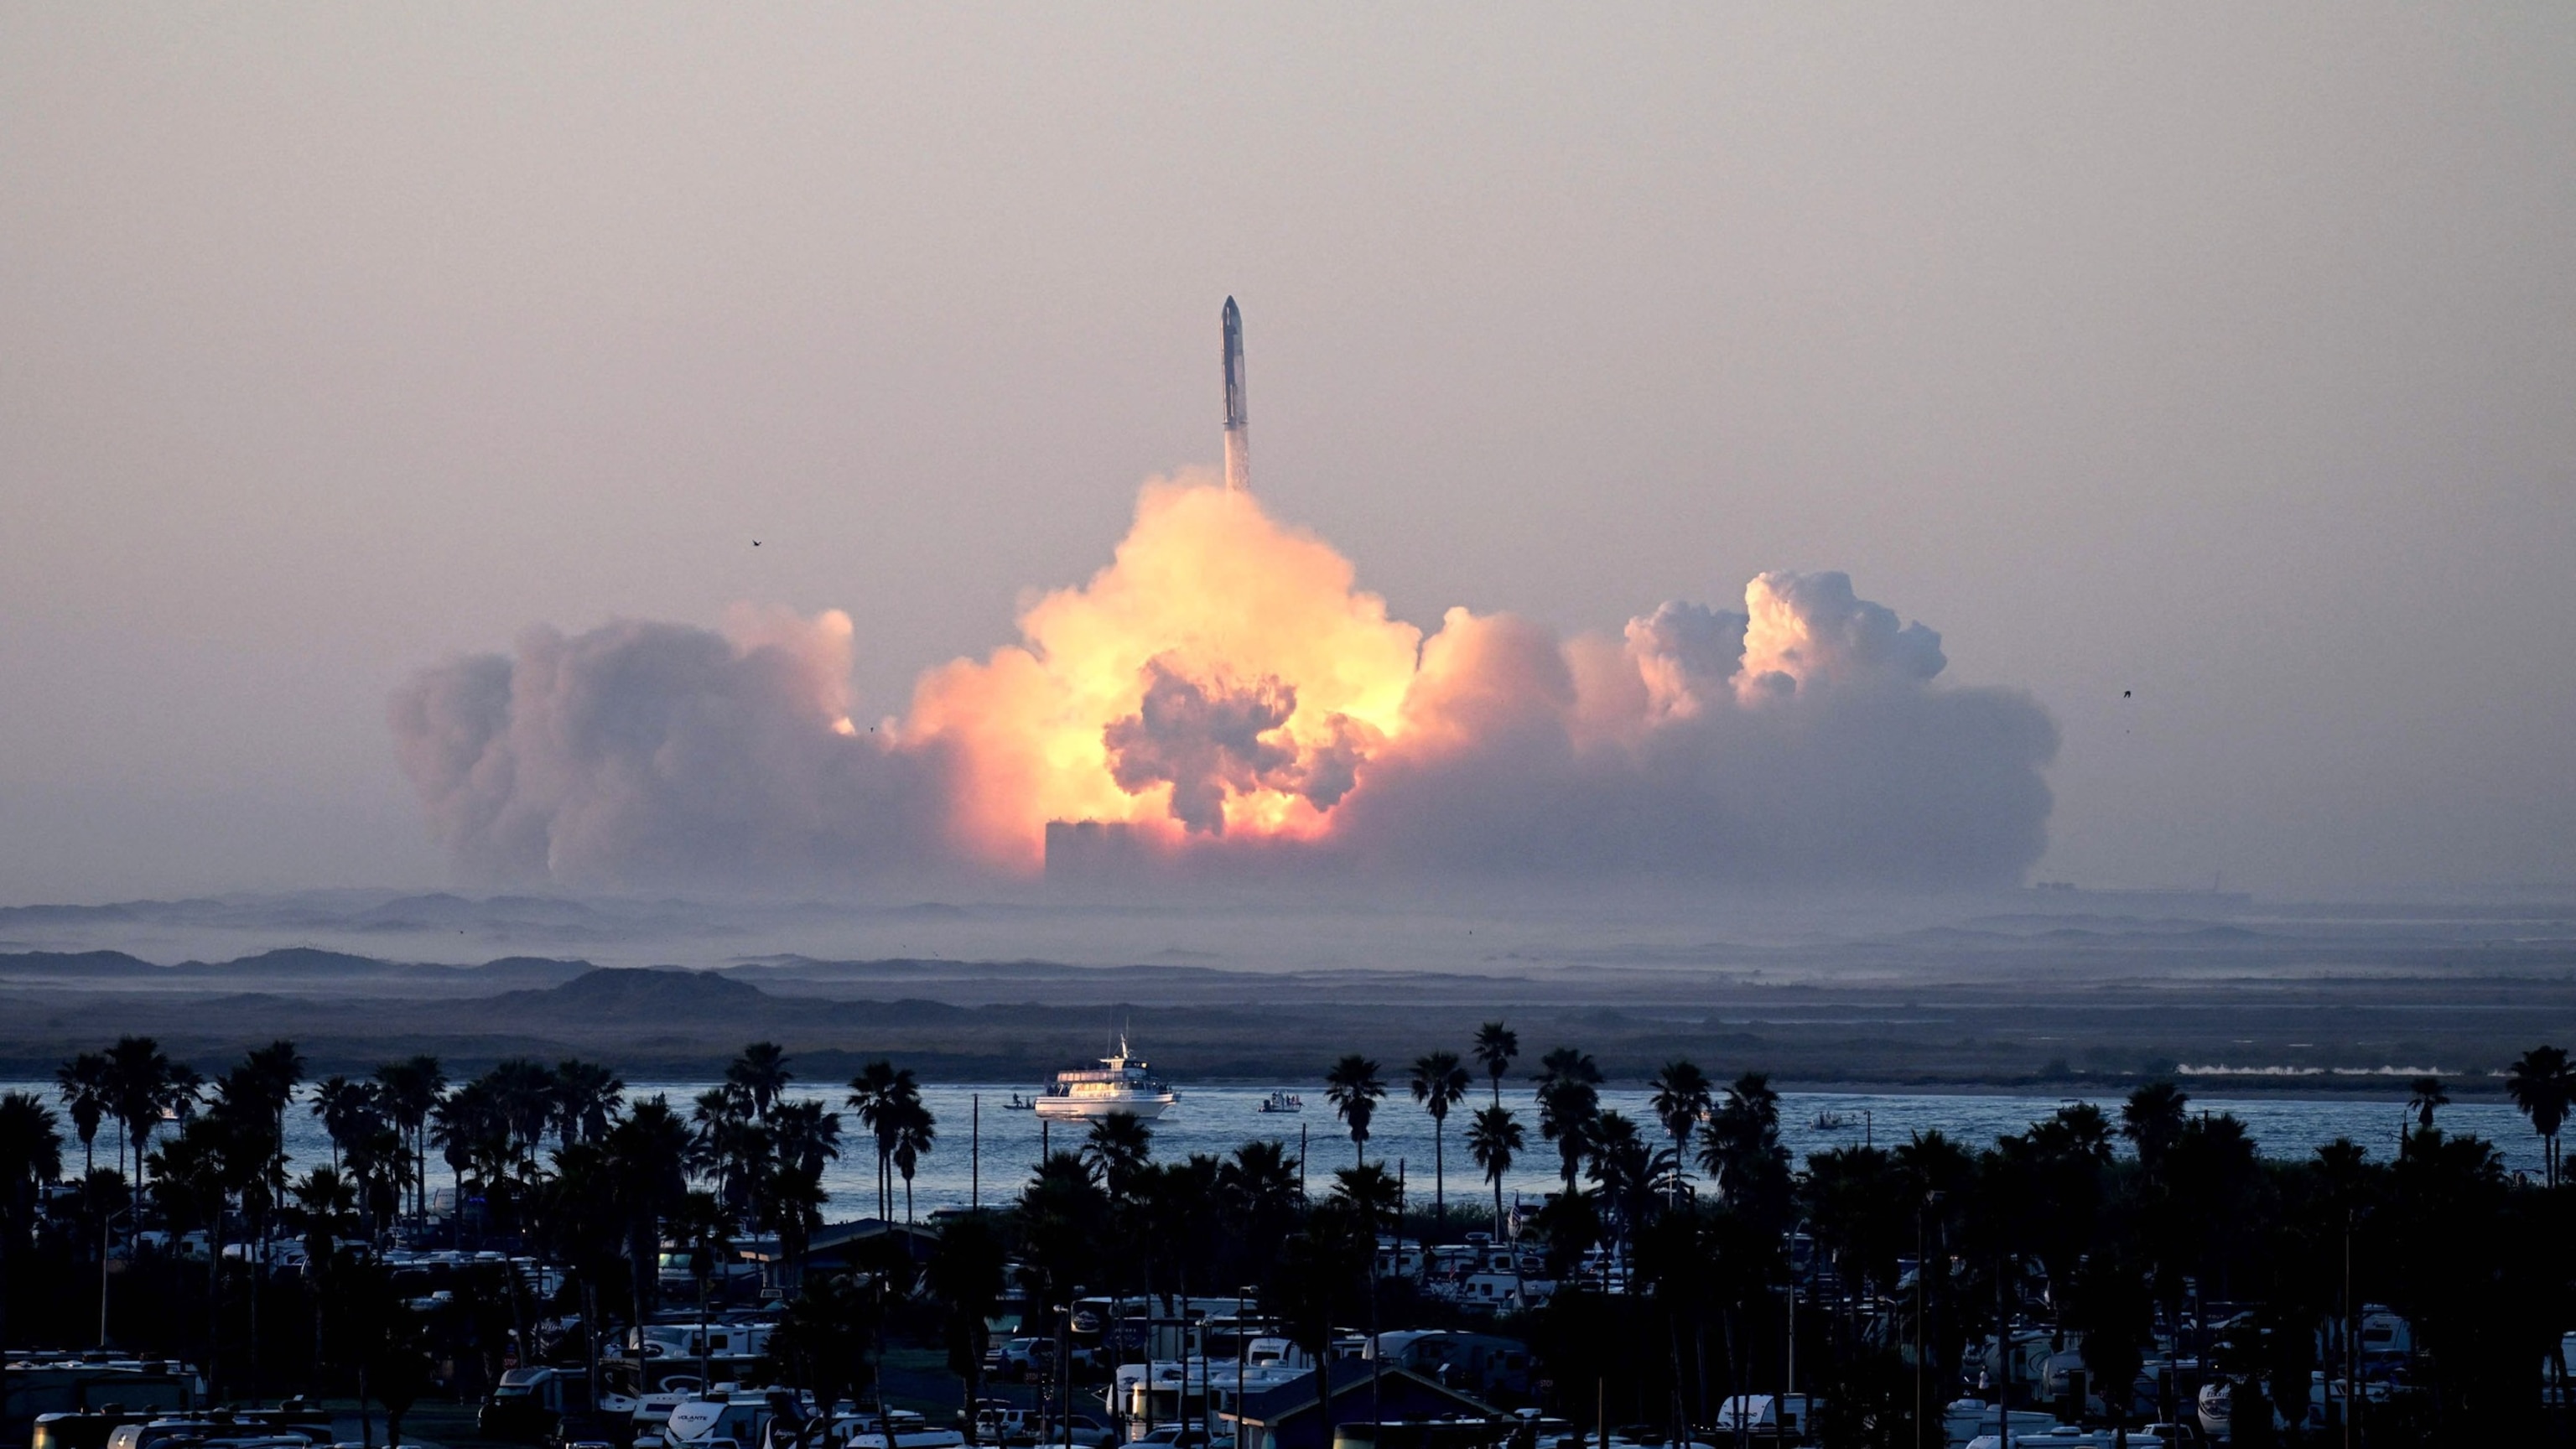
(1683,1251)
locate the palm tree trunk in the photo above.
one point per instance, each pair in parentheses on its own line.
(214,1300)
(313,1274)
(258,1281)
(590,1337)
(1439,1171)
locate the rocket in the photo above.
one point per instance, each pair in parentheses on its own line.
(1238,442)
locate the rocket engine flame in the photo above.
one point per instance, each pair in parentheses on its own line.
(1222,675)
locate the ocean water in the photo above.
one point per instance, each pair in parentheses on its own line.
(985,1152)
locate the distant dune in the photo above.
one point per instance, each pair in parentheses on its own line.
(2292,1001)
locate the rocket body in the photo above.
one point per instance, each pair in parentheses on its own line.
(1238,441)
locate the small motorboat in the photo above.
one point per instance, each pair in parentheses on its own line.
(1282,1102)
(1830,1121)
(1019,1103)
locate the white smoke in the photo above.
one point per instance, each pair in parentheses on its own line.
(642,753)
(1800,742)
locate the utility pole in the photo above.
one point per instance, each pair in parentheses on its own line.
(2003,1361)
(2351,1367)
(975,1154)
(1922,1269)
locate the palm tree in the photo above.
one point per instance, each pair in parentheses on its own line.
(252,1099)
(805,1136)
(277,1069)
(761,1074)
(393,1094)
(1354,1089)
(323,1209)
(193,1178)
(915,1130)
(1372,1190)
(465,1126)
(380,1165)
(1741,1150)
(524,1092)
(1439,1083)
(1569,1098)
(587,1096)
(2542,1085)
(2109,1305)
(792,1200)
(1681,1101)
(1493,1139)
(31,1155)
(878,1093)
(966,1273)
(143,1084)
(647,1153)
(1496,1047)
(346,1110)
(582,1224)
(410,1092)
(1118,1150)
(1624,1169)
(2422,1096)
(2153,1118)
(729,1145)
(84,1085)
(699,1228)
(1257,1189)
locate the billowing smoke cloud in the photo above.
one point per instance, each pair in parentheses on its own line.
(658,753)
(1209,741)
(1225,694)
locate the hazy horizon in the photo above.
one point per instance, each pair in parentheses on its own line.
(2199,376)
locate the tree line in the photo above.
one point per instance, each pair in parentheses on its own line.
(1684,1246)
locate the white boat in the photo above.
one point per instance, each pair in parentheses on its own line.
(1120,1084)
(1282,1102)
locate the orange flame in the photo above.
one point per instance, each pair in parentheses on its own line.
(1220,602)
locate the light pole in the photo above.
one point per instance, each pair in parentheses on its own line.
(1923,1301)
(1242,1353)
(1063,1370)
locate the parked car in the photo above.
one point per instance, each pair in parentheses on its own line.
(1017,1360)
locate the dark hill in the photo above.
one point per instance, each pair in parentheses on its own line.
(294,961)
(75,964)
(639,994)
(534,970)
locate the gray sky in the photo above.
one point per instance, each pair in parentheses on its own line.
(2217,354)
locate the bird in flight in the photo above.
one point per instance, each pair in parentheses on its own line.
(755,543)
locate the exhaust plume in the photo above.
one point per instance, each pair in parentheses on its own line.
(1225,695)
